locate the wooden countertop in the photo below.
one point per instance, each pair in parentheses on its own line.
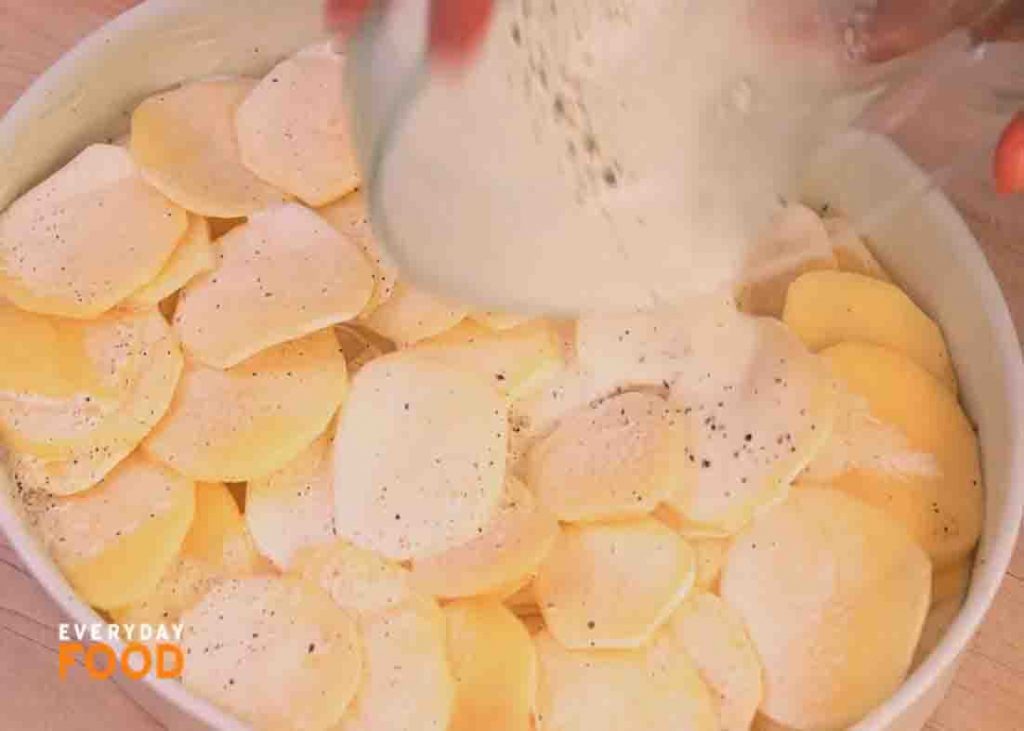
(988,694)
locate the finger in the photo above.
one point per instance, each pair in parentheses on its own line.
(1008,164)
(344,16)
(457,28)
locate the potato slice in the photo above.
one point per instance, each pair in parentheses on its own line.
(87,237)
(655,688)
(499,321)
(951,581)
(499,561)
(360,345)
(220,226)
(827,308)
(616,459)
(246,422)
(184,141)
(282,275)
(940,618)
(833,594)
(713,635)
(274,651)
(711,554)
(410,315)
(450,428)
(193,255)
(943,509)
(293,128)
(115,541)
(494,666)
(611,585)
(516,360)
(852,252)
(293,507)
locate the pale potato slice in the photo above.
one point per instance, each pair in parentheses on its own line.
(942,509)
(114,542)
(184,141)
(833,593)
(952,581)
(711,555)
(293,128)
(282,275)
(494,666)
(410,315)
(293,507)
(499,320)
(87,237)
(517,360)
(358,580)
(499,561)
(827,308)
(350,217)
(274,651)
(611,585)
(713,635)
(247,421)
(407,684)
(616,459)
(192,256)
(419,455)
(180,588)
(852,252)
(654,688)
(360,345)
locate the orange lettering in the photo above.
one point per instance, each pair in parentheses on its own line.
(142,651)
(66,656)
(95,671)
(163,670)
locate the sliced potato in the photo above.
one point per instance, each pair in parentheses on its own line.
(87,237)
(654,688)
(274,651)
(940,618)
(833,593)
(181,587)
(114,542)
(449,427)
(852,252)
(359,581)
(827,308)
(410,315)
(616,459)
(220,226)
(611,585)
(711,555)
(360,345)
(184,141)
(952,581)
(523,602)
(192,256)
(713,635)
(499,320)
(247,421)
(282,275)
(501,559)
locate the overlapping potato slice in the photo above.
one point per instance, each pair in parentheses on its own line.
(419,457)
(711,555)
(280,276)
(245,422)
(293,127)
(192,256)
(500,560)
(498,320)
(940,618)
(87,237)
(494,666)
(654,688)
(713,635)
(852,252)
(360,345)
(410,315)
(184,141)
(952,581)
(833,594)
(942,508)
(611,585)
(114,542)
(827,308)
(616,459)
(274,651)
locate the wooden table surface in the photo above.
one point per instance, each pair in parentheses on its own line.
(988,694)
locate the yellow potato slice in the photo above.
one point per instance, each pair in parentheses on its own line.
(350,217)
(940,618)
(293,128)
(282,275)
(852,252)
(449,427)
(711,555)
(499,561)
(293,507)
(713,635)
(87,237)
(360,345)
(763,723)
(247,421)
(184,141)
(951,581)
(611,585)
(655,688)
(617,459)
(833,594)
(193,255)
(516,360)
(220,226)
(274,651)
(494,666)
(499,320)
(827,308)
(114,542)
(943,510)
(523,602)
(410,315)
